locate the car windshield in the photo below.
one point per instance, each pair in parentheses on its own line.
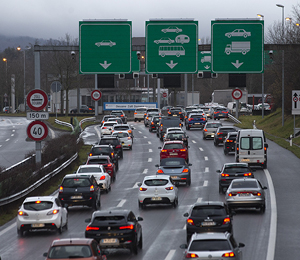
(76,182)
(98,161)
(210,245)
(204,211)
(117,113)
(70,251)
(196,116)
(172,162)
(173,146)
(213,125)
(100,150)
(227,130)
(89,169)
(156,182)
(236,169)
(244,185)
(38,205)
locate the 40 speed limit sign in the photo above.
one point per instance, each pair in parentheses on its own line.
(37,130)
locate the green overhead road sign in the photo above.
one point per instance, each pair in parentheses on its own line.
(204,61)
(171,46)
(104,47)
(237,46)
(135,62)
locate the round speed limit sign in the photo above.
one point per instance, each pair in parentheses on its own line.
(237,94)
(37,130)
(96,95)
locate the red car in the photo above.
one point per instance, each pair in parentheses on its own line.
(105,160)
(174,149)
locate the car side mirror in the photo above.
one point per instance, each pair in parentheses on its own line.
(186,214)
(140,219)
(45,255)
(83,163)
(184,246)
(266,145)
(190,164)
(219,171)
(156,165)
(139,184)
(87,220)
(187,137)
(241,244)
(265,188)
(159,147)
(188,146)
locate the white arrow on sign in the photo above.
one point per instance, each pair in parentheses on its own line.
(171,64)
(105,65)
(207,67)
(237,64)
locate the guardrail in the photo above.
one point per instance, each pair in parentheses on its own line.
(234,119)
(86,120)
(21,194)
(64,124)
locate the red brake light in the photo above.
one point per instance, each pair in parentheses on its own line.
(38,202)
(143,189)
(109,165)
(190,222)
(164,151)
(220,133)
(104,127)
(127,227)
(61,189)
(224,174)
(248,174)
(92,188)
(182,150)
(190,119)
(102,177)
(160,171)
(170,188)
(230,254)
(135,113)
(91,228)
(205,130)
(122,115)
(191,255)
(118,146)
(22,213)
(231,194)
(226,220)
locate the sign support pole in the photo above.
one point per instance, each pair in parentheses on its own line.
(158,92)
(236,108)
(263,94)
(96,102)
(38,151)
(185,90)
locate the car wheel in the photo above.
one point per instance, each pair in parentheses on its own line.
(187,128)
(204,138)
(175,203)
(263,209)
(141,242)
(139,120)
(134,247)
(66,225)
(225,152)
(135,120)
(188,238)
(150,130)
(20,232)
(220,189)
(215,143)
(60,229)
(121,156)
(265,165)
(189,182)
(142,205)
(130,148)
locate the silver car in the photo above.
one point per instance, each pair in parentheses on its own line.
(214,246)
(246,193)
(209,130)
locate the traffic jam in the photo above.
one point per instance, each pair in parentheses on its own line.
(209,223)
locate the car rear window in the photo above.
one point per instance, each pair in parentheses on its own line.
(208,211)
(168,162)
(140,110)
(38,205)
(89,169)
(156,182)
(98,161)
(72,251)
(173,146)
(100,150)
(175,136)
(109,218)
(196,116)
(210,245)
(233,169)
(109,141)
(121,135)
(244,184)
(121,127)
(251,143)
(76,182)
(117,113)
(108,123)
(213,125)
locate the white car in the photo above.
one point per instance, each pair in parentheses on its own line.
(107,127)
(98,171)
(157,189)
(125,138)
(122,127)
(115,119)
(41,213)
(173,129)
(139,114)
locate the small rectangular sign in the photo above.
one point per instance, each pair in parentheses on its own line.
(128,105)
(296,102)
(37,115)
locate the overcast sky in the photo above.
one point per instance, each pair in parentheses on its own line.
(53,19)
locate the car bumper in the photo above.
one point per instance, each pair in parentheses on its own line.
(208,135)
(245,203)
(196,125)
(28,224)
(156,199)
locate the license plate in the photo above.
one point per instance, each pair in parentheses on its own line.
(173,153)
(197,123)
(174,115)
(111,241)
(244,194)
(76,197)
(208,224)
(245,160)
(156,198)
(174,177)
(37,225)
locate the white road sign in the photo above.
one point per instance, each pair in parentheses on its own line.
(296,102)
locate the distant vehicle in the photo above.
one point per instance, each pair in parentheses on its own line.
(105,43)
(182,39)
(172,29)
(238,32)
(83,109)
(139,113)
(164,40)
(237,47)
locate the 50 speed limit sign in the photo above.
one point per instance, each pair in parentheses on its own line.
(37,130)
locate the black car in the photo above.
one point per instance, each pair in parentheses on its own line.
(177,168)
(120,114)
(83,109)
(115,142)
(176,111)
(77,189)
(221,134)
(106,117)
(232,171)
(208,216)
(229,143)
(154,123)
(105,149)
(116,228)
(166,122)
(177,135)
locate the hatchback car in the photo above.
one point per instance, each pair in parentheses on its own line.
(139,114)
(125,138)
(116,228)
(213,245)
(80,190)
(123,127)
(177,168)
(221,134)
(103,179)
(149,116)
(209,130)
(231,171)
(157,189)
(220,112)
(106,117)
(120,114)
(229,143)
(177,135)
(174,149)
(75,248)
(115,119)
(176,111)
(104,160)
(195,120)
(154,124)
(41,213)
(246,193)
(83,109)
(208,216)
(107,127)
(115,142)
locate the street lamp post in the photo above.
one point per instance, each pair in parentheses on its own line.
(281,6)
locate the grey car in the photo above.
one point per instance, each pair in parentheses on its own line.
(209,130)
(212,245)
(246,193)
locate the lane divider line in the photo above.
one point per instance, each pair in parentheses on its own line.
(121,203)
(170,254)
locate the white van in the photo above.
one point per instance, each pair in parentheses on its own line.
(251,147)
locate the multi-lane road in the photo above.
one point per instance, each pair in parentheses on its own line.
(272,235)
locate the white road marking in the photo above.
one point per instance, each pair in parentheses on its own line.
(140,132)
(184,227)
(149,159)
(145,136)
(194,142)
(205,183)
(200,149)
(8,228)
(0,145)
(150,150)
(12,135)
(7,140)
(149,142)
(205,158)
(121,203)
(97,131)
(145,171)
(135,185)
(206,169)
(170,254)
(13,130)
(199,200)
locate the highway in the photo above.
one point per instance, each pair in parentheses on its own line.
(274,232)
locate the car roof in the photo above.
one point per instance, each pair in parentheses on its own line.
(176,132)
(173,142)
(98,157)
(35,198)
(109,137)
(150,177)
(244,179)
(73,175)
(206,203)
(123,212)
(91,166)
(120,131)
(235,164)
(72,241)
(210,235)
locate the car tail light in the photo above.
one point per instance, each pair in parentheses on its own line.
(226,220)
(129,138)
(164,151)
(104,127)
(220,133)
(205,130)
(224,174)
(229,254)
(160,171)
(190,119)
(225,112)
(169,113)
(180,113)
(256,193)
(182,150)
(152,123)
(118,146)
(102,177)
(109,165)
(190,222)
(229,141)
(127,227)
(122,115)
(185,170)
(189,255)
(90,109)
(103,122)
(231,194)
(88,228)
(170,188)
(135,113)
(147,117)
(61,189)
(203,118)
(92,188)
(112,154)
(247,174)
(22,213)
(53,212)
(129,131)
(143,189)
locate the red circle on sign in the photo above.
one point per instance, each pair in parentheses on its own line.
(237,94)
(295,99)
(164,94)
(37,130)
(37,99)
(96,95)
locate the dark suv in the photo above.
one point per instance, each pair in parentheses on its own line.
(221,134)
(229,143)
(176,111)
(120,114)
(115,229)
(208,216)
(166,122)
(77,189)
(115,142)
(104,160)
(105,149)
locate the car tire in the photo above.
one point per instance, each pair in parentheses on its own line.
(188,238)
(265,165)
(204,138)
(187,128)
(142,205)
(175,203)
(225,152)
(220,189)
(121,156)
(141,242)
(215,143)
(66,225)
(150,130)
(134,247)
(135,120)
(130,148)
(60,229)
(263,209)
(188,183)
(20,232)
